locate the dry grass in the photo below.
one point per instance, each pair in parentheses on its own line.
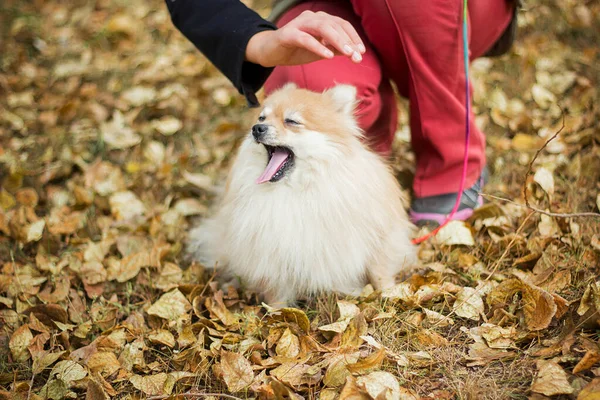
(54,127)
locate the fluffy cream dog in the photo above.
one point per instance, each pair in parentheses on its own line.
(307,208)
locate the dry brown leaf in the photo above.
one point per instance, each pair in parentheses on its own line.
(297,374)
(167,125)
(154,152)
(64,221)
(105,363)
(237,371)
(347,312)
(126,205)
(105,178)
(590,358)
(151,385)
(92,273)
(162,336)
(27,197)
(122,23)
(95,391)
(199,180)
(328,394)
(547,226)
(137,96)
(56,389)
(19,342)
(468,304)
(68,371)
(595,242)
(117,134)
(37,345)
(373,360)
(542,96)
(562,305)
(168,277)
(524,142)
(455,233)
(545,179)
(434,318)
(591,391)
(97,251)
(294,315)
(337,371)
(188,207)
(34,231)
(428,338)
(60,292)
(133,355)
(128,267)
(480,354)
(590,299)
(288,345)
(496,337)
(356,329)
(380,385)
(551,379)
(538,306)
(352,392)
(171,306)
(402,291)
(44,359)
(217,309)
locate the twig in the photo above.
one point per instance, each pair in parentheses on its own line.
(30,385)
(505,253)
(194,395)
(530,207)
(493,270)
(528,173)
(537,154)
(537,210)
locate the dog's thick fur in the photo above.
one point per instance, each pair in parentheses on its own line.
(335,220)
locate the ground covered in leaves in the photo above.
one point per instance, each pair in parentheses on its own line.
(114,133)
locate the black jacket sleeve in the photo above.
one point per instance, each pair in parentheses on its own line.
(221,29)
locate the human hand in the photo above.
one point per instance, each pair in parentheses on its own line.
(308,37)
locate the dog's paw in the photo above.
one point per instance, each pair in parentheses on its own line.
(227,282)
(277,300)
(201,244)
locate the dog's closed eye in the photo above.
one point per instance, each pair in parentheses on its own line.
(289,121)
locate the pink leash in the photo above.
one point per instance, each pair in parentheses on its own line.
(463,178)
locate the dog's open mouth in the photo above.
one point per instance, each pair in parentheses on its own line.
(280,161)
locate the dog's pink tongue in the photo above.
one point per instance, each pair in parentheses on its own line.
(276,161)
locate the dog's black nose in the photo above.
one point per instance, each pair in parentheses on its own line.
(259,131)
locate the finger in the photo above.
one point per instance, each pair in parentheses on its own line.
(350,50)
(352,34)
(308,42)
(336,39)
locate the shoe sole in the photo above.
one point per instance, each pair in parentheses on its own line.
(424,219)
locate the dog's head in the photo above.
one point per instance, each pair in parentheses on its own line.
(298,126)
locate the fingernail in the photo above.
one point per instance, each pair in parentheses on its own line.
(347,49)
(356,57)
(328,53)
(361,48)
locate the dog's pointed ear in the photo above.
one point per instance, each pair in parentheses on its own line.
(343,97)
(289,86)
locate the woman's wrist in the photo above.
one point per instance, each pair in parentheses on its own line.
(255,50)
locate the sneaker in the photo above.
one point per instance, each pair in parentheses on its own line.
(433,210)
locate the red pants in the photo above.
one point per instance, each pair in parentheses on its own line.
(418,45)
